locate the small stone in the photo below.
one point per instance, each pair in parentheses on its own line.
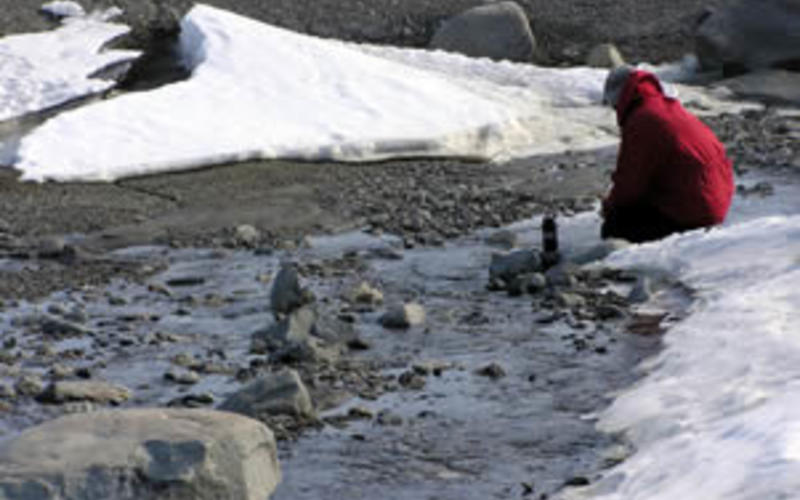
(59,371)
(184,281)
(577,481)
(6,391)
(505,267)
(360,412)
(58,327)
(609,311)
(387,418)
(247,235)
(492,370)
(536,283)
(117,301)
(569,300)
(192,400)
(358,344)
(605,55)
(561,276)
(29,385)
(84,390)
(51,247)
(364,293)
(159,289)
(185,377)
(411,380)
(405,316)
(183,359)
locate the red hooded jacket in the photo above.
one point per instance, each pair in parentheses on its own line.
(668,159)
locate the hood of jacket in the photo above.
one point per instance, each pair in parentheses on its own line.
(640,85)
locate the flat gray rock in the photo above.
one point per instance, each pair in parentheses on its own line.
(152,454)
(281,393)
(85,390)
(773,86)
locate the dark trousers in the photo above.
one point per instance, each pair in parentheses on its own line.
(638,224)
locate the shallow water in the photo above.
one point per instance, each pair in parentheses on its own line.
(463,436)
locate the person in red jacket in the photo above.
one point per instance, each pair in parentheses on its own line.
(672,172)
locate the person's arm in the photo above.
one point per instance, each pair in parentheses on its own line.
(640,152)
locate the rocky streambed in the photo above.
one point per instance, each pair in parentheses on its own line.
(395,367)
(392,367)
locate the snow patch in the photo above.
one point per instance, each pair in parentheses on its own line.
(261,92)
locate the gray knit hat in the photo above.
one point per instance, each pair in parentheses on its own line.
(615,82)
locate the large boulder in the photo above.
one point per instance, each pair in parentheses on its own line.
(744,35)
(497,31)
(141,454)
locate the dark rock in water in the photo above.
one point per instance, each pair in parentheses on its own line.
(492,370)
(57,327)
(292,353)
(192,401)
(518,285)
(609,311)
(403,316)
(577,481)
(296,328)
(287,294)
(358,344)
(536,283)
(497,31)
(281,393)
(411,380)
(178,454)
(561,276)
(186,281)
(505,267)
(569,300)
(182,376)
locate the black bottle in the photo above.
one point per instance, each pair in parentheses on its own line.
(550,255)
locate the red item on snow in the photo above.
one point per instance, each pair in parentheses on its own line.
(668,159)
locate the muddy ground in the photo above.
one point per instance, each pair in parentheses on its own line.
(426,202)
